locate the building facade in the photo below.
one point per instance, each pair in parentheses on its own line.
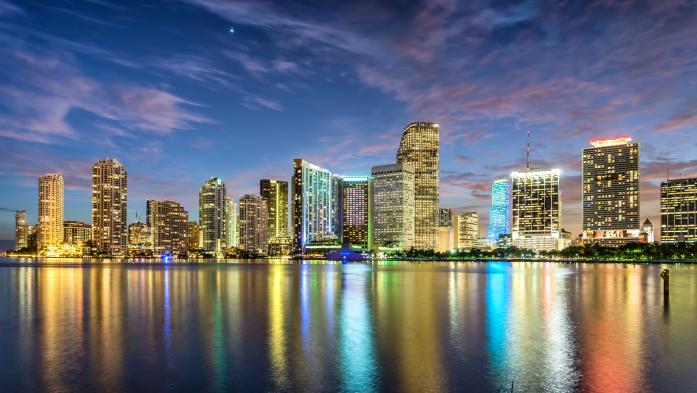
(194,235)
(77,233)
(168,223)
(679,211)
(109,207)
(275,192)
(211,213)
(610,171)
(50,225)
(536,210)
(231,225)
(139,236)
(356,201)
(21,230)
(445,217)
(254,224)
(466,230)
(419,147)
(313,204)
(500,210)
(393,206)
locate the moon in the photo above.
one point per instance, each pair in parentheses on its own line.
(232,30)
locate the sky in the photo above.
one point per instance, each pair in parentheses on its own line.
(180,91)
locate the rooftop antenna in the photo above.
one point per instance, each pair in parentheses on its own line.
(527,159)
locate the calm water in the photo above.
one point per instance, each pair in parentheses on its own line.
(322,327)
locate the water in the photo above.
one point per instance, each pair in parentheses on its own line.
(323,327)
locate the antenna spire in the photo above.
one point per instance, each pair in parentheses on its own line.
(527,159)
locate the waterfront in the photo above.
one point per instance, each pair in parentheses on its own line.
(320,326)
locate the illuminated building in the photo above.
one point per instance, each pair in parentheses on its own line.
(21,230)
(275,192)
(254,224)
(77,233)
(446,239)
(679,210)
(466,230)
(500,211)
(610,171)
(393,206)
(139,236)
(50,226)
(211,214)
(194,236)
(536,210)
(231,223)
(312,205)
(109,207)
(647,234)
(419,147)
(168,224)
(356,211)
(445,217)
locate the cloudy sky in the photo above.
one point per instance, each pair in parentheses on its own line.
(167,89)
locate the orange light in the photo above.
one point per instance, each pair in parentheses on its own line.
(618,140)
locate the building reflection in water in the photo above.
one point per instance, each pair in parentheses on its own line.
(300,327)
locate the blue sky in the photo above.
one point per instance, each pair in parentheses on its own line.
(170,92)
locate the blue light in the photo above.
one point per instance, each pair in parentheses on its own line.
(500,209)
(166,258)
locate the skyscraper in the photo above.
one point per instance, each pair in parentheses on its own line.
(312,204)
(466,230)
(679,210)
(50,226)
(445,217)
(536,209)
(194,236)
(420,147)
(611,191)
(356,210)
(500,211)
(168,223)
(254,224)
(231,226)
(393,206)
(275,192)
(21,230)
(109,207)
(211,214)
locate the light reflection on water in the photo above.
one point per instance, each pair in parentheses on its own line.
(314,326)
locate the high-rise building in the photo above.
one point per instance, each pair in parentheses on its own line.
(312,204)
(393,206)
(254,224)
(77,233)
(109,207)
(21,230)
(31,237)
(139,236)
(231,226)
(168,223)
(536,210)
(445,217)
(679,210)
(275,192)
(466,230)
(50,226)
(211,214)
(420,147)
(610,170)
(194,236)
(356,201)
(500,211)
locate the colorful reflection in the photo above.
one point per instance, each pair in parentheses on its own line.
(475,327)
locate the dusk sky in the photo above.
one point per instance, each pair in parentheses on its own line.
(172,93)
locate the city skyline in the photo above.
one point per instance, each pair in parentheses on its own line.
(200,107)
